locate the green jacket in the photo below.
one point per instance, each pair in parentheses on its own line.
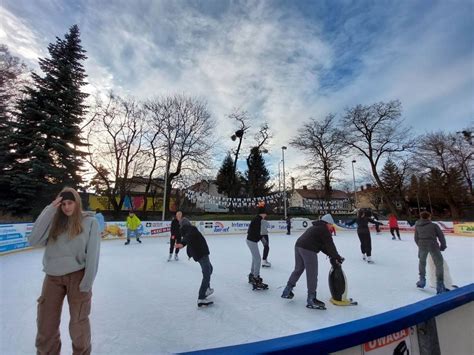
(133,222)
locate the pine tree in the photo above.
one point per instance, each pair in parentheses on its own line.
(224,177)
(392,181)
(47,137)
(12,72)
(257,175)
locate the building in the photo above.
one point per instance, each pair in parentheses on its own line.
(313,200)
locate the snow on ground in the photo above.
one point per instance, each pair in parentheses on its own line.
(143,304)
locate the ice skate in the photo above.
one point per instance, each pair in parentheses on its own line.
(421,283)
(176,257)
(139,241)
(204,302)
(288,293)
(369,260)
(314,303)
(250,278)
(266,264)
(170,257)
(364,257)
(258,284)
(440,288)
(127,242)
(393,238)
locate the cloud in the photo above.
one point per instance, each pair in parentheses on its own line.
(283,62)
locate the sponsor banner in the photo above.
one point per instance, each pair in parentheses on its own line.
(397,343)
(115,230)
(464,228)
(241,227)
(14,236)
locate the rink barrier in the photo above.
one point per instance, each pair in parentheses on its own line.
(14,236)
(356,333)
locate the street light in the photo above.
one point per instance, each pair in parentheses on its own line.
(284,185)
(164,190)
(354,182)
(279,184)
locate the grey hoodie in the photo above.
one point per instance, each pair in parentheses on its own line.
(66,255)
(427,232)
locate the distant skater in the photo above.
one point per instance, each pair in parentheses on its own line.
(393,224)
(266,242)
(363,233)
(288,225)
(175,237)
(253,237)
(133,223)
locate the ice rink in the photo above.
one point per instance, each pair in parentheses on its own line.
(143,304)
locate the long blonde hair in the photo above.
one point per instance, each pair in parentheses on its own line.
(62,223)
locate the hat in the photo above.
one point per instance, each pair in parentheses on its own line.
(67,195)
(327,218)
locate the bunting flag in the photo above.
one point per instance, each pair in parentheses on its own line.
(205,198)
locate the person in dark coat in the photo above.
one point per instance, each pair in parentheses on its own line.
(198,249)
(253,237)
(315,239)
(363,219)
(427,236)
(288,225)
(175,237)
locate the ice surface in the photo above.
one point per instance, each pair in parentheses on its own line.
(143,304)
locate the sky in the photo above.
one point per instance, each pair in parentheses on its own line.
(281,61)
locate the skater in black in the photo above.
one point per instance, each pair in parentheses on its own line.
(175,237)
(253,237)
(197,249)
(315,239)
(288,225)
(363,219)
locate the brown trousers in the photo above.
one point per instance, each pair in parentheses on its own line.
(50,304)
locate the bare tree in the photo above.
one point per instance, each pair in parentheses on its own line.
(463,156)
(323,145)
(116,139)
(242,119)
(435,153)
(376,131)
(186,135)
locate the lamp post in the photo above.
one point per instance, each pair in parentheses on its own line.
(279,184)
(284,184)
(164,190)
(354,182)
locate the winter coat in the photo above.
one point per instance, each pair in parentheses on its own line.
(133,222)
(428,233)
(195,242)
(362,223)
(253,233)
(318,238)
(392,222)
(175,229)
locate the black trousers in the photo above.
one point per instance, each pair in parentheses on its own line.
(266,246)
(172,242)
(365,241)
(392,230)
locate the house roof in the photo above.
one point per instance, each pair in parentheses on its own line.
(319,194)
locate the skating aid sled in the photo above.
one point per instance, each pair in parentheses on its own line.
(338,287)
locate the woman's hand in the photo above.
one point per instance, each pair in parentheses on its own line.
(57,202)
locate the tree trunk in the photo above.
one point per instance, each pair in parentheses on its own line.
(390,204)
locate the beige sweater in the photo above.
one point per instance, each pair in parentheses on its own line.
(66,255)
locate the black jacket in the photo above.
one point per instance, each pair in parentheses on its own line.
(253,233)
(175,229)
(363,222)
(318,238)
(195,242)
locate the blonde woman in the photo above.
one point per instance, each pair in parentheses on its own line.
(70,263)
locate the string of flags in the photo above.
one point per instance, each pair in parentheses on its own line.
(203,197)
